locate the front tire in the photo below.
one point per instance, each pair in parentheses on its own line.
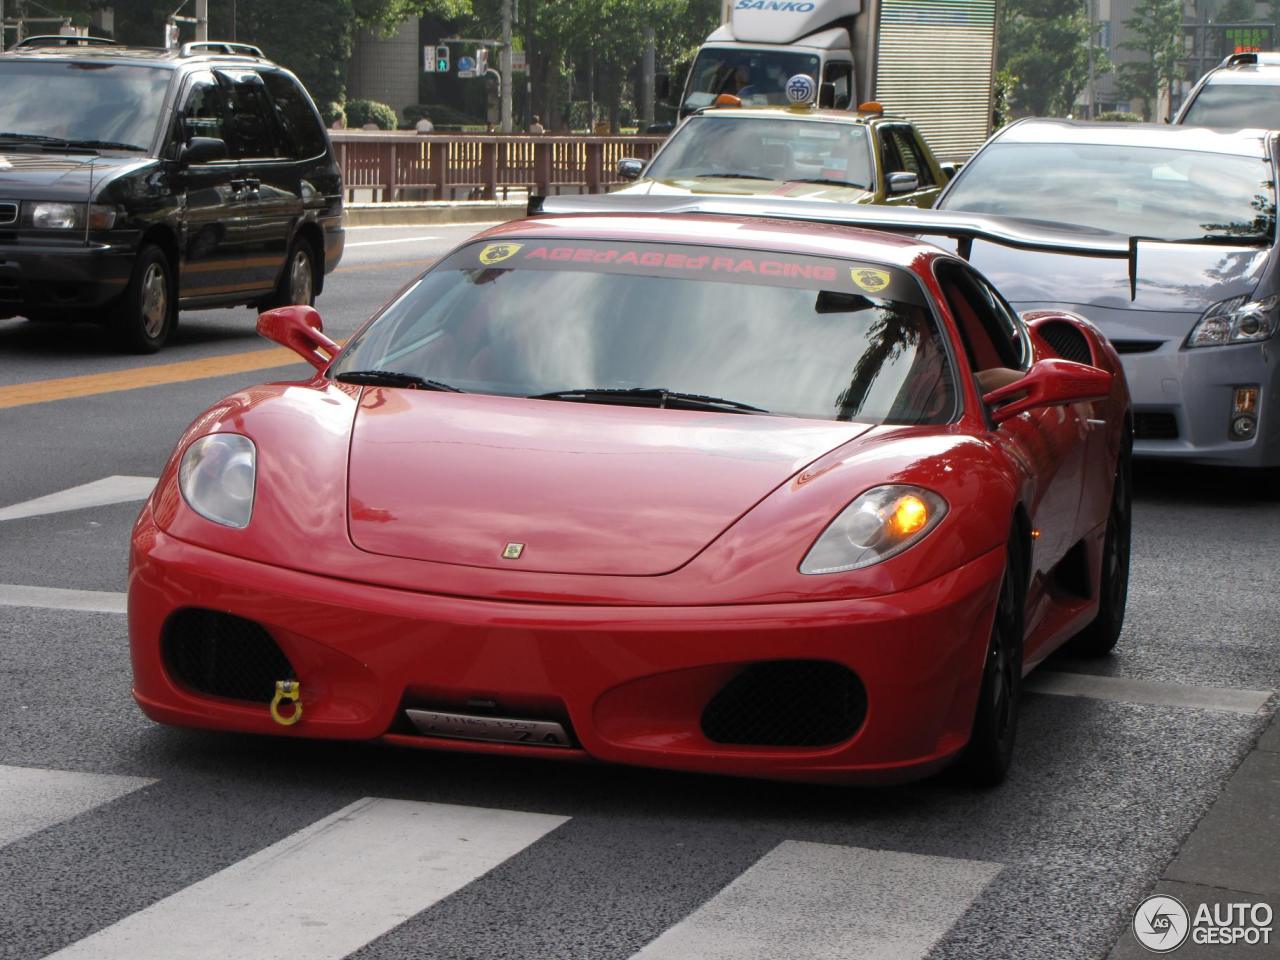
(1099,637)
(986,759)
(298,282)
(146,315)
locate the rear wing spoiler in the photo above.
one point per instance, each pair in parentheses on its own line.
(964,228)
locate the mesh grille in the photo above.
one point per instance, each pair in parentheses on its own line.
(225,656)
(1155,426)
(1067,341)
(787,703)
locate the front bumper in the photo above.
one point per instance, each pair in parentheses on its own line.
(72,277)
(630,682)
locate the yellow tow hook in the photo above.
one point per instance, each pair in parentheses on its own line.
(291,691)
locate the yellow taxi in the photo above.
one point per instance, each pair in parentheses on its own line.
(801,151)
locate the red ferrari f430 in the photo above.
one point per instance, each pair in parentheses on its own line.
(728,493)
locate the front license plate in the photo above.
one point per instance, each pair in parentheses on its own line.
(468,726)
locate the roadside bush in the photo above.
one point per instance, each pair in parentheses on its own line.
(360,112)
(442,115)
(332,111)
(1119,116)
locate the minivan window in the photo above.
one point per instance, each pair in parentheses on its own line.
(95,102)
(293,108)
(252,132)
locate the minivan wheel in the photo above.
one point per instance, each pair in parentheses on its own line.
(146,315)
(297,283)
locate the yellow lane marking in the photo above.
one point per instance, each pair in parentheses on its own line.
(65,388)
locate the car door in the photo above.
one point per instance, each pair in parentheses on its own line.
(268,177)
(901,154)
(1049,442)
(212,229)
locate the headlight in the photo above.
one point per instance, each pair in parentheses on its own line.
(70,216)
(880,524)
(1238,320)
(217,478)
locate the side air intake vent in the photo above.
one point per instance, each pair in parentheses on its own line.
(1067,341)
(224,656)
(787,703)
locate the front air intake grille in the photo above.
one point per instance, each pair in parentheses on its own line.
(1067,341)
(787,703)
(8,213)
(1136,346)
(224,656)
(1155,426)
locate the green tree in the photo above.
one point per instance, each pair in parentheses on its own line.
(1045,45)
(1156,32)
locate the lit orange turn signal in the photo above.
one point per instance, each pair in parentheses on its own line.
(909,515)
(728,100)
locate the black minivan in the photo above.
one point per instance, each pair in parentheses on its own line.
(135,182)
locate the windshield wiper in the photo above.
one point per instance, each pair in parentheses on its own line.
(728,176)
(390,378)
(41,140)
(830,182)
(663,396)
(106,145)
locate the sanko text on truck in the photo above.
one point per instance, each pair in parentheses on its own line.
(929,60)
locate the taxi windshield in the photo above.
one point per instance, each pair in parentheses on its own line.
(1155,192)
(96,103)
(1235,105)
(666,325)
(766,148)
(757,77)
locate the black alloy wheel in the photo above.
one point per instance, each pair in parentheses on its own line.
(146,315)
(986,759)
(1100,636)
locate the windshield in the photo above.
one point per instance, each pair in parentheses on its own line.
(758,77)
(1136,191)
(103,102)
(1236,105)
(794,335)
(766,148)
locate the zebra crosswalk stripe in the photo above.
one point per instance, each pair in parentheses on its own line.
(816,901)
(325,891)
(32,799)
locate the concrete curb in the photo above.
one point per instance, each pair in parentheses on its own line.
(409,214)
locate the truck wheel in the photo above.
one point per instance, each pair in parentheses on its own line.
(146,315)
(298,282)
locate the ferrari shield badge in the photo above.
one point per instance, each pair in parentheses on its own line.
(497,252)
(872,281)
(512,551)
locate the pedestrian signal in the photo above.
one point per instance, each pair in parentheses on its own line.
(442,59)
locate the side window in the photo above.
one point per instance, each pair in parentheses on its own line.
(926,174)
(252,132)
(293,110)
(841,76)
(1009,325)
(912,159)
(202,113)
(979,314)
(890,160)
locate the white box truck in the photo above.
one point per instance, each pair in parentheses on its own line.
(929,60)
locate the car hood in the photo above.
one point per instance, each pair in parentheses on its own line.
(736,187)
(31,175)
(585,488)
(1169,277)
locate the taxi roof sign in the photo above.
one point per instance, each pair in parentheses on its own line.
(801,88)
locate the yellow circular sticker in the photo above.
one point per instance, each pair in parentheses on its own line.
(872,281)
(497,252)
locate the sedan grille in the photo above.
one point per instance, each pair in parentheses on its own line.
(787,703)
(224,656)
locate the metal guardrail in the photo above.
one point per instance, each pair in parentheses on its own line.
(460,166)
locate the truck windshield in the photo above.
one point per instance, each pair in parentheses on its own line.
(92,103)
(770,148)
(1235,105)
(758,77)
(1155,192)
(673,325)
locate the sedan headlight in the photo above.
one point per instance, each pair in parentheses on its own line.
(1238,320)
(44,215)
(217,478)
(878,525)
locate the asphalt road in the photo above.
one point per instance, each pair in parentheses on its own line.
(166,843)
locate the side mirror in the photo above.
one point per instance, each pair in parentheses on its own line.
(950,169)
(629,168)
(903,183)
(1049,383)
(299,328)
(202,150)
(662,85)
